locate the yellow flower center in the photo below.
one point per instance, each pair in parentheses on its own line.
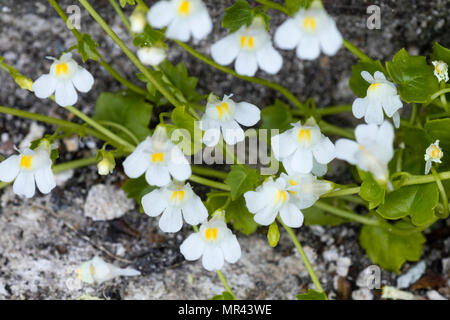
(373,86)
(184,7)
(309,23)
(435,152)
(177,195)
(62,69)
(247,42)
(222,109)
(281,196)
(304,134)
(25,162)
(158,157)
(211,233)
(293,182)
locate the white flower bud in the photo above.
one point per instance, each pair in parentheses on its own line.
(151,56)
(138,21)
(105,167)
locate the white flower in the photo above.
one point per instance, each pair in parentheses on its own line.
(226,115)
(305,189)
(214,243)
(174,201)
(441,70)
(309,31)
(138,21)
(372,151)
(381,94)
(251,47)
(274,197)
(303,149)
(105,167)
(65,75)
(159,158)
(433,154)
(98,271)
(182,18)
(30,168)
(151,56)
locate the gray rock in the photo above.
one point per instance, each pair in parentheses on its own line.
(106,202)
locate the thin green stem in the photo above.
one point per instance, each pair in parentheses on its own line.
(274,5)
(440,92)
(209,183)
(342,192)
(443,194)
(112,136)
(285,92)
(326,111)
(103,63)
(412,119)
(328,128)
(225,283)
(121,128)
(160,87)
(121,15)
(303,255)
(208,172)
(346,214)
(356,51)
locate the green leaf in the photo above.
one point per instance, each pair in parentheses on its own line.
(238,215)
(414,76)
(358,85)
(277,116)
(125,2)
(189,138)
(148,38)
(238,15)
(128,110)
(87,48)
(440,53)
(215,200)
(315,216)
(224,296)
(137,188)
(417,201)
(390,250)
(242,179)
(371,191)
(416,141)
(22,81)
(312,295)
(180,80)
(439,130)
(294,5)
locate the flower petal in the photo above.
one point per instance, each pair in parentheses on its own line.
(154,203)
(291,215)
(65,94)
(269,59)
(157,175)
(247,114)
(193,247)
(161,14)
(178,29)
(179,166)
(246,64)
(309,48)
(83,80)
(201,24)
(45,180)
(359,107)
(378,75)
(331,39)
(24,184)
(225,50)
(346,150)
(254,201)
(367,76)
(302,161)
(9,168)
(374,113)
(319,169)
(171,220)
(211,137)
(212,258)
(266,216)
(287,35)
(366,132)
(391,104)
(324,151)
(232,132)
(194,211)
(136,163)
(231,248)
(282,145)
(44,86)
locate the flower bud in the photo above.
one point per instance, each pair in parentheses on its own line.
(273,235)
(151,56)
(138,21)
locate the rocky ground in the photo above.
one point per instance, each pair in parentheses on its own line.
(44,239)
